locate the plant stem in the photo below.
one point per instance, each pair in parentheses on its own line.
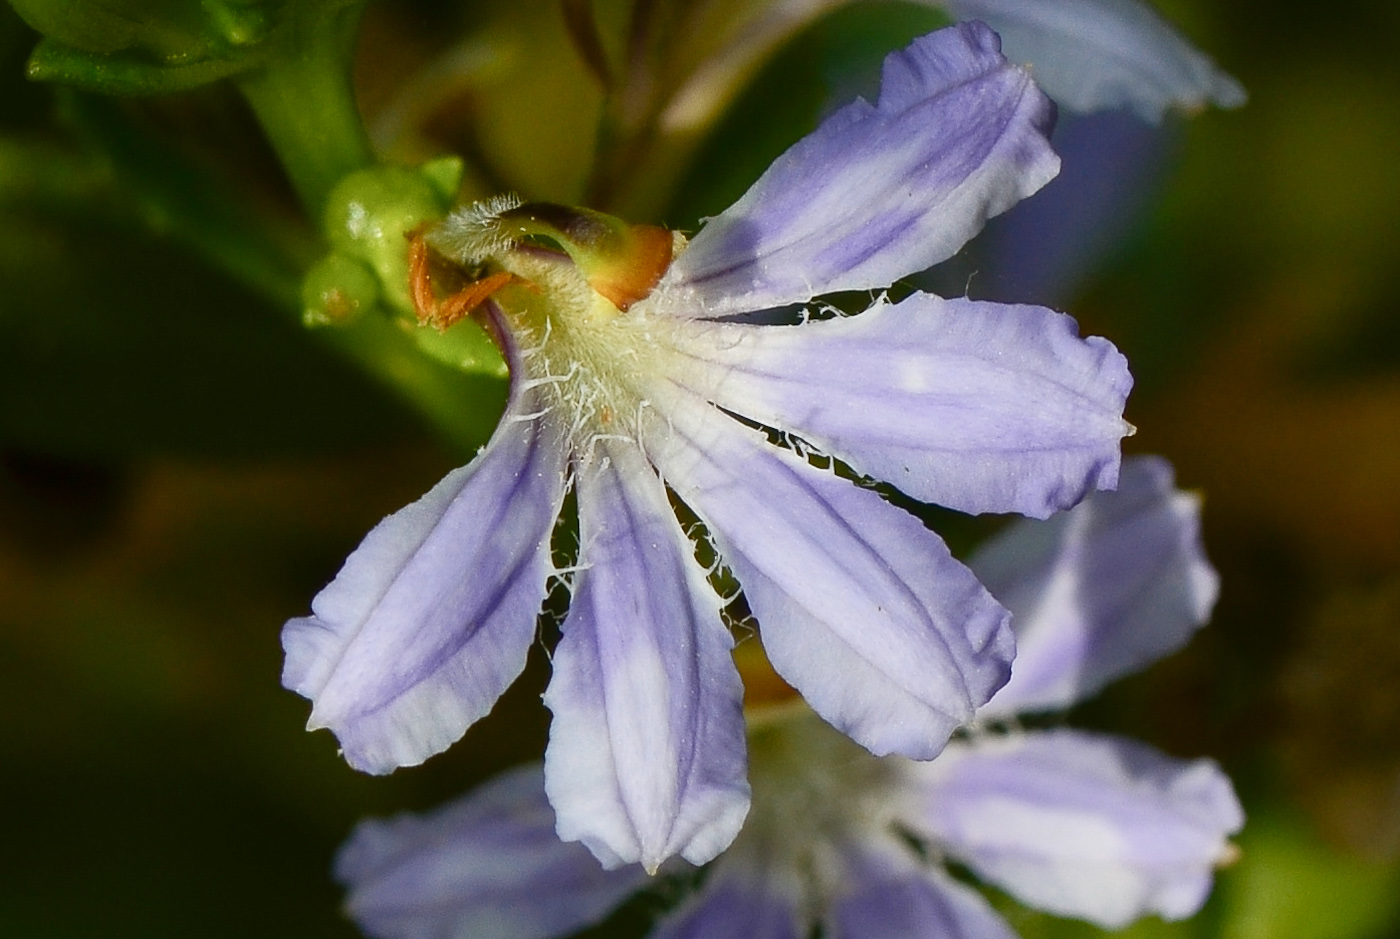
(304,100)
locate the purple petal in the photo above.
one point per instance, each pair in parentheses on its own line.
(977,406)
(885,894)
(740,899)
(1100,591)
(860,607)
(431,617)
(488,866)
(646,755)
(1094,54)
(876,193)
(1078,824)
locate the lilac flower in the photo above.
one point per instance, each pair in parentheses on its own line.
(1115,68)
(1077,824)
(626,380)
(1087,55)
(1092,55)
(486,867)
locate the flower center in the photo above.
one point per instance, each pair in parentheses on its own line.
(813,790)
(568,286)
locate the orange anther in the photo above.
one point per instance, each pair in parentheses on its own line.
(441,315)
(470,297)
(420,283)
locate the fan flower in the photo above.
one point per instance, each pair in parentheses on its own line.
(636,379)
(1076,824)
(1092,55)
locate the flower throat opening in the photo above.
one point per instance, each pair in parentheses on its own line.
(482,248)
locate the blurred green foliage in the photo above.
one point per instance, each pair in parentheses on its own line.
(144,46)
(182,465)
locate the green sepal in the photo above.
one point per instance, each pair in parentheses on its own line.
(464,346)
(336,290)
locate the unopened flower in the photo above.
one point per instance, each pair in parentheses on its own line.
(636,380)
(1076,824)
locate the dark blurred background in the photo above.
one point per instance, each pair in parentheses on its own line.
(182,466)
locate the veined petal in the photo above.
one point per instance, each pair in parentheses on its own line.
(1080,824)
(886,894)
(982,407)
(755,901)
(486,866)
(1094,54)
(1100,591)
(646,754)
(860,607)
(877,192)
(432,615)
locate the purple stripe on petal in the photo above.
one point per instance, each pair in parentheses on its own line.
(1094,54)
(1080,824)
(1101,591)
(431,617)
(646,754)
(978,406)
(860,607)
(884,893)
(877,192)
(487,866)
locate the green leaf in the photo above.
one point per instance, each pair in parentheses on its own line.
(124,73)
(145,46)
(164,30)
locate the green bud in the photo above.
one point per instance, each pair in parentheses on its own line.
(371,214)
(336,290)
